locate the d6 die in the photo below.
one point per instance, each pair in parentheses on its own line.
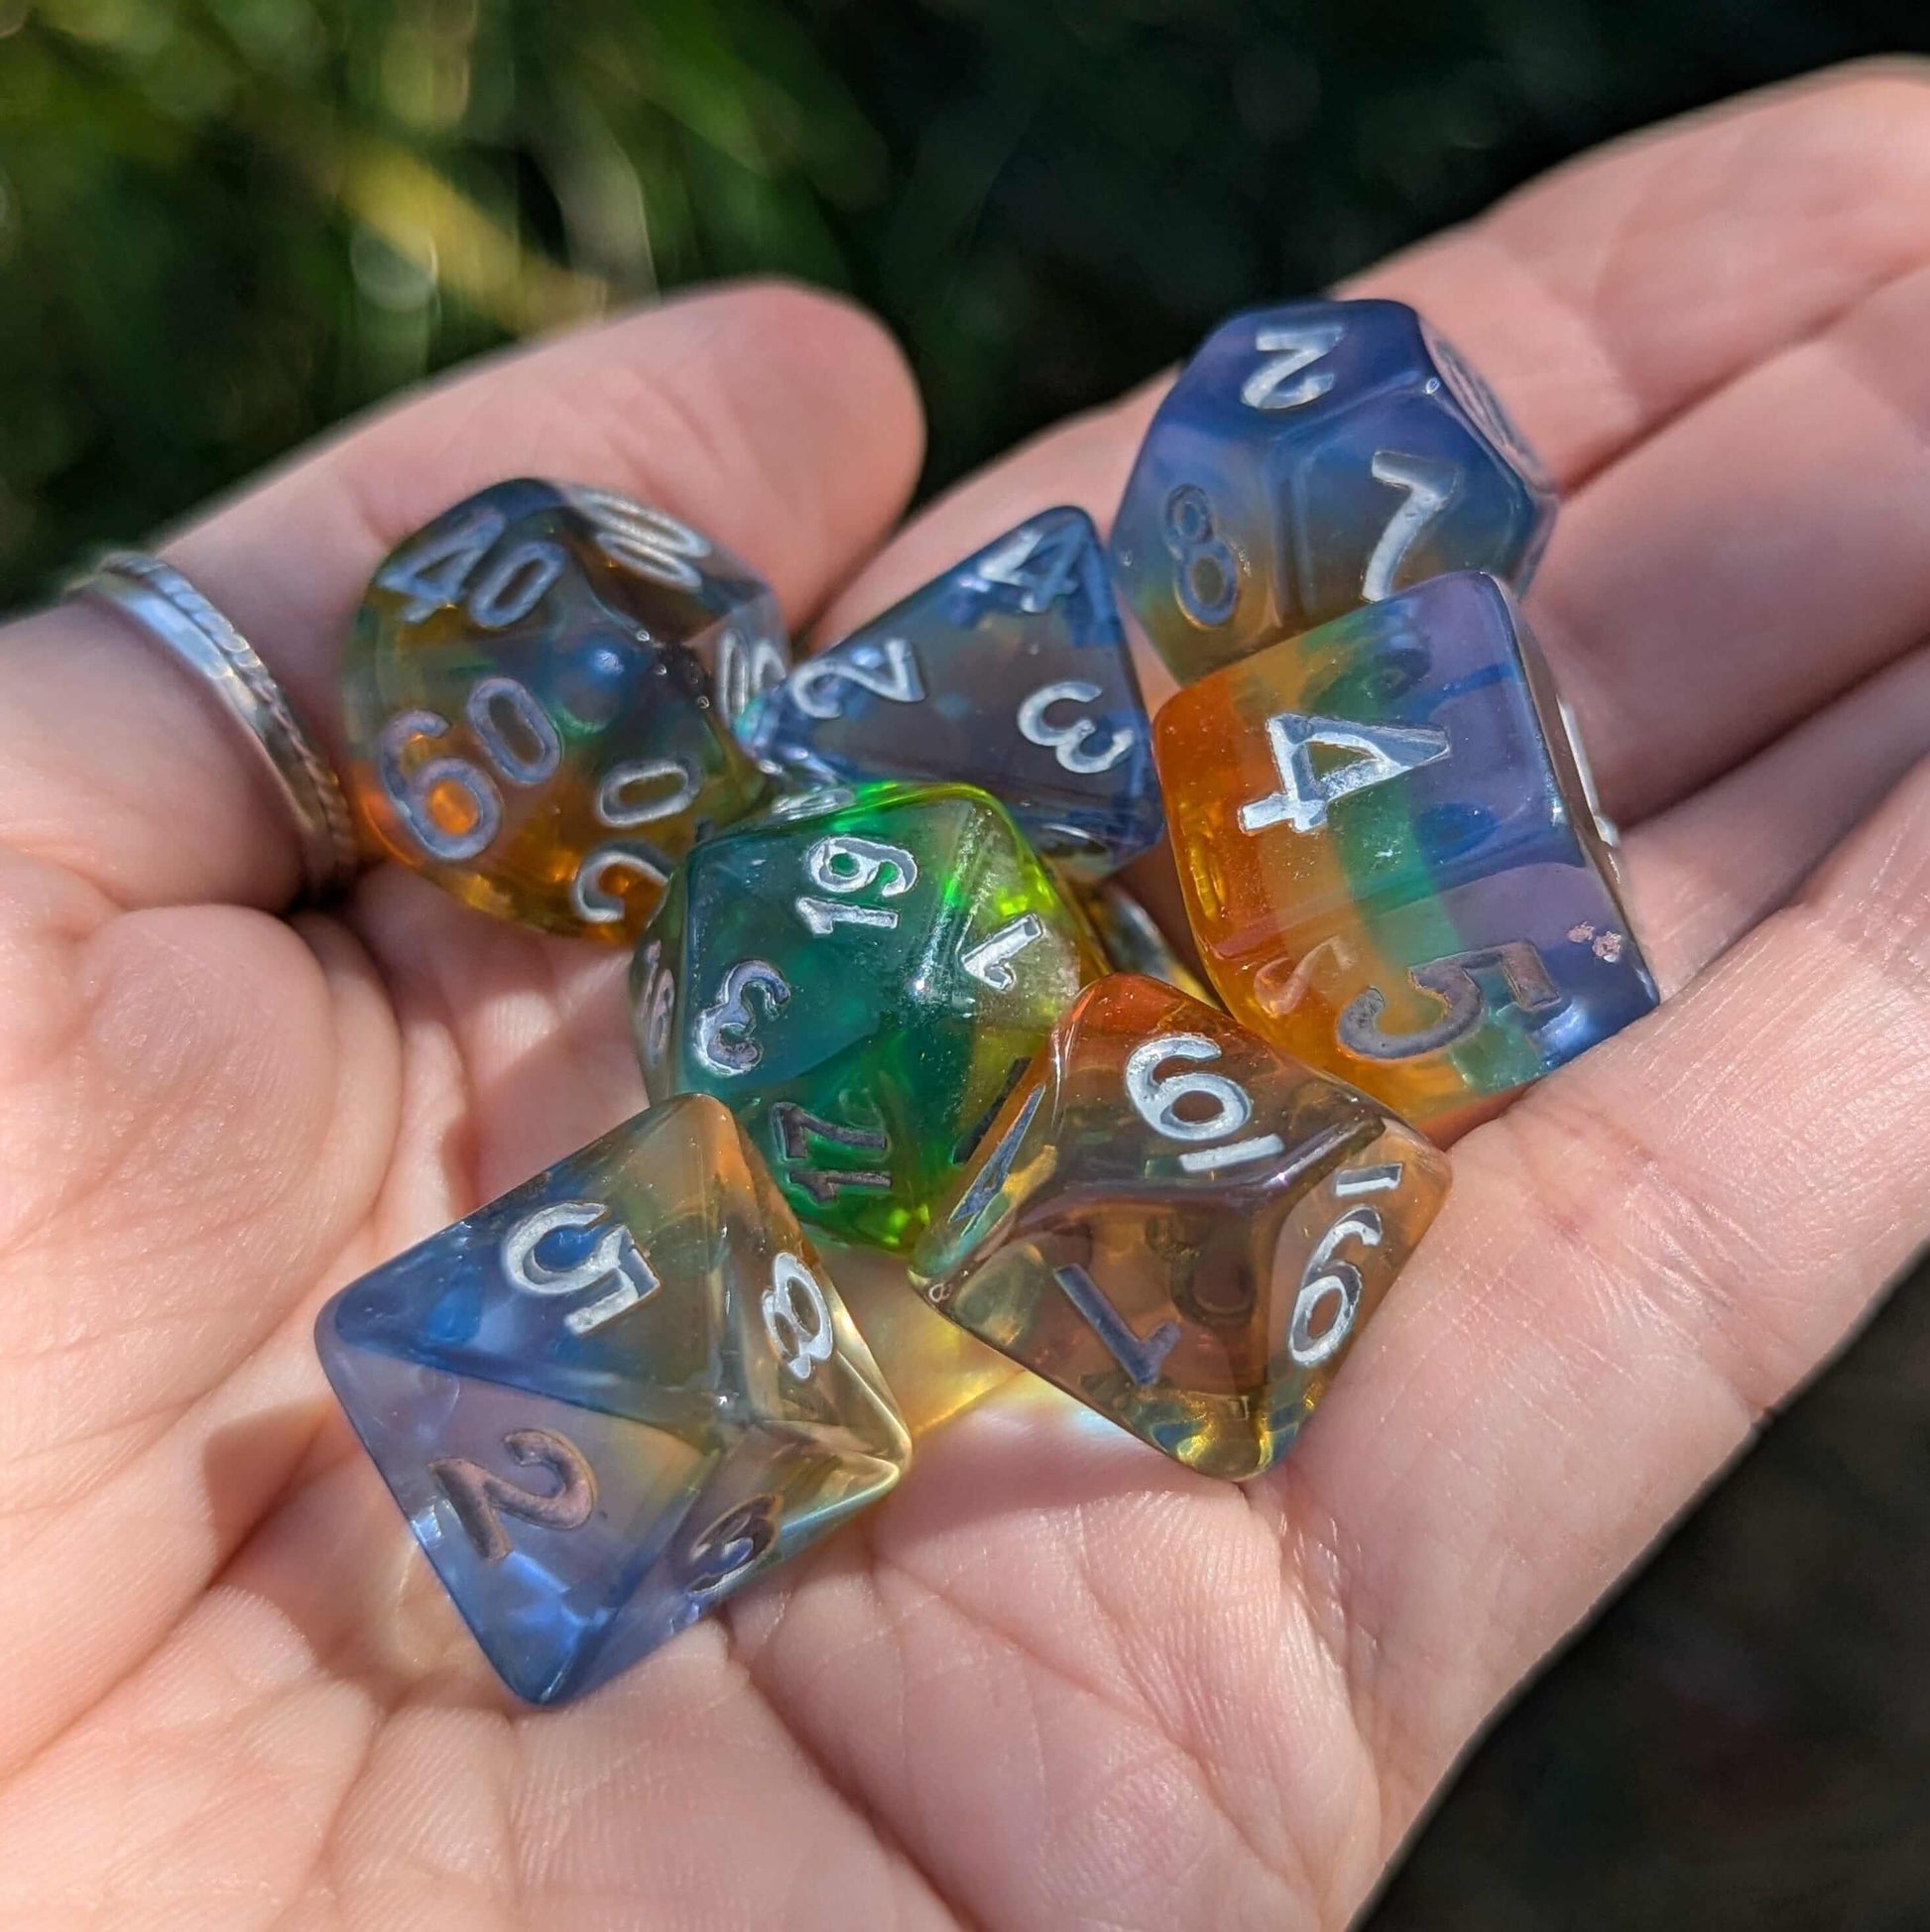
(861,974)
(1391,855)
(1178,1226)
(540,694)
(1311,458)
(1010,671)
(612,1398)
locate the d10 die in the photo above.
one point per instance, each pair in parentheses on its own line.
(1391,855)
(1309,459)
(1010,671)
(1180,1227)
(540,692)
(612,1398)
(861,974)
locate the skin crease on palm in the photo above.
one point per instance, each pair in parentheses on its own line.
(1054,1680)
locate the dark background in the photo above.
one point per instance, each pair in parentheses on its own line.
(224,223)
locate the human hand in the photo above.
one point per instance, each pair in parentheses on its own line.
(1054,1679)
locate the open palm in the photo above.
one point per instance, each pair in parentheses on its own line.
(1055,1680)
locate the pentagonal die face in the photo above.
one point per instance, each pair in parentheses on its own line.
(1179,1227)
(540,694)
(861,974)
(1309,459)
(1010,671)
(1391,854)
(613,1396)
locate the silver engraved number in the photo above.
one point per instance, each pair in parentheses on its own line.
(409,791)
(989,961)
(796,1317)
(1380,753)
(591,899)
(1067,742)
(1430,485)
(1354,1181)
(1157,1101)
(1040,565)
(481,1499)
(493,701)
(888,670)
(514,585)
(745,668)
(1451,980)
(1141,1358)
(434,571)
(655,1003)
(730,1545)
(646,541)
(1324,1280)
(1291,350)
(797,1128)
(495,706)
(617,802)
(616,1264)
(727,1039)
(845,864)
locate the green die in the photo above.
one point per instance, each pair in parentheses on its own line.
(861,974)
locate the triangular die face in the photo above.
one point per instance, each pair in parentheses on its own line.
(540,1518)
(601,1283)
(1011,670)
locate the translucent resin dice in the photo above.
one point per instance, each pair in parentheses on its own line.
(1311,458)
(540,694)
(1010,672)
(1180,1227)
(861,974)
(614,1397)
(1391,857)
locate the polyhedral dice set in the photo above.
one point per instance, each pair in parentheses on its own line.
(887,987)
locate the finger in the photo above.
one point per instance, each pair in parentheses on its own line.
(1707,870)
(1677,280)
(730,408)
(1648,1252)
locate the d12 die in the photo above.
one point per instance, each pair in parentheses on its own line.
(1391,855)
(1309,459)
(1010,673)
(540,692)
(614,1397)
(860,974)
(1180,1227)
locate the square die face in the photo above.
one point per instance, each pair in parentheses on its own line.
(1394,792)
(1311,458)
(1156,1224)
(860,976)
(537,697)
(556,1386)
(1010,671)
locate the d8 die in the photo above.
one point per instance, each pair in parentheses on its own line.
(1309,459)
(1010,671)
(1180,1227)
(1391,855)
(861,974)
(540,694)
(614,1397)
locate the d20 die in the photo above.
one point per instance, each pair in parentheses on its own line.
(540,694)
(614,1397)
(861,974)
(1010,672)
(1311,458)
(1180,1227)
(1392,858)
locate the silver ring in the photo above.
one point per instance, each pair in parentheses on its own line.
(160,601)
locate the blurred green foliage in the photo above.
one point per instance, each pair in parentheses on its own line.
(225,223)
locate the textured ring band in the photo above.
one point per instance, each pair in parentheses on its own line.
(160,601)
